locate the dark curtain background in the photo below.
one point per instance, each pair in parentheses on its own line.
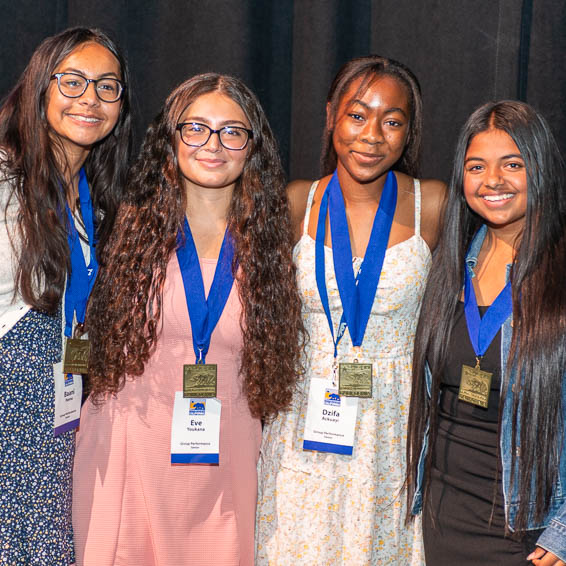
(464,52)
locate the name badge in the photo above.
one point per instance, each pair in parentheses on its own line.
(68,394)
(199,380)
(195,430)
(475,385)
(355,380)
(330,424)
(76,356)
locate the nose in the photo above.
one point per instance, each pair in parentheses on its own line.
(493,178)
(89,96)
(372,132)
(213,143)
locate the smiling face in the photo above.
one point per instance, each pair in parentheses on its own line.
(495,180)
(371,128)
(211,165)
(79,123)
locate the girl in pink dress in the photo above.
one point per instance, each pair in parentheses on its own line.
(197,298)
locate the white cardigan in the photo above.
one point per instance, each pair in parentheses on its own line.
(12,307)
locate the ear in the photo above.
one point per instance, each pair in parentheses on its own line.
(329,124)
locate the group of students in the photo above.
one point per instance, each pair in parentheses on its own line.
(257,384)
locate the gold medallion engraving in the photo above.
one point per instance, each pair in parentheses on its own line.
(475,385)
(355,380)
(199,380)
(76,356)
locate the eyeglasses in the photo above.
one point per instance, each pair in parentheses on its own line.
(197,135)
(73,85)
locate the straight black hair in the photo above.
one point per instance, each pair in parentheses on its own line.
(537,356)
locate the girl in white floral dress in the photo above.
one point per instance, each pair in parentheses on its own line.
(317,506)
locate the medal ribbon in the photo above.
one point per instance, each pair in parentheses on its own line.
(482,331)
(204,313)
(356,293)
(80,279)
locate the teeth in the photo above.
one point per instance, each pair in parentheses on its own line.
(85,119)
(495,198)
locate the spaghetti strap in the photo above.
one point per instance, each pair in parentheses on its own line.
(417,185)
(308,209)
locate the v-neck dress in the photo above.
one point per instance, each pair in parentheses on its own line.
(130,505)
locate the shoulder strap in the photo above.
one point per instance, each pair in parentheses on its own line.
(417,185)
(309,206)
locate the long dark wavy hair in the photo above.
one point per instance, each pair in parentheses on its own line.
(144,239)
(538,347)
(32,160)
(371,68)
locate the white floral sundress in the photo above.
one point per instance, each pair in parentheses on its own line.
(327,509)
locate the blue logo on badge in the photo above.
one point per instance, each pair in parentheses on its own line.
(197,407)
(331,398)
(68,377)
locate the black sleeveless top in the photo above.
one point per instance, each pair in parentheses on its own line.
(464,523)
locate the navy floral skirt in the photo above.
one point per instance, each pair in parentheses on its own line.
(35,467)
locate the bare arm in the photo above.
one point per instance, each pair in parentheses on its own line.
(297,195)
(432,202)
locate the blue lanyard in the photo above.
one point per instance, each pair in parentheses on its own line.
(482,331)
(356,293)
(204,313)
(81,278)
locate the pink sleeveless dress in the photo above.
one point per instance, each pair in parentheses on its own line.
(130,505)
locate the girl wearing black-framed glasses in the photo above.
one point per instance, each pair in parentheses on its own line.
(206,230)
(60,179)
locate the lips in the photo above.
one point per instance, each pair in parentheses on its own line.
(367,158)
(211,163)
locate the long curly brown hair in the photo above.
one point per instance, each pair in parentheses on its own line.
(132,276)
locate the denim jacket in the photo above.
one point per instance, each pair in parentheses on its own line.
(553,537)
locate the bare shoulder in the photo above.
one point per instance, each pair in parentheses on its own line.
(433,195)
(297,195)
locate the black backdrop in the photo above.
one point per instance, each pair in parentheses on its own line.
(464,52)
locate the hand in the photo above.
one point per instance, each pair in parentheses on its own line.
(541,557)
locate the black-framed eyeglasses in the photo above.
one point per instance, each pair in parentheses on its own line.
(73,85)
(231,137)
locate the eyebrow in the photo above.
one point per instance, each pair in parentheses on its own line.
(510,156)
(205,121)
(388,111)
(111,74)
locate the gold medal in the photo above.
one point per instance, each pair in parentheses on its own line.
(355,379)
(76,356)
(199,380)
(475,385)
